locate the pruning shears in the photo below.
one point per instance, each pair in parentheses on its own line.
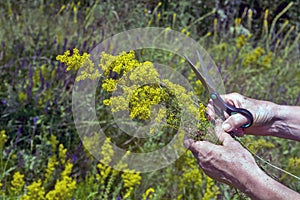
(219,104)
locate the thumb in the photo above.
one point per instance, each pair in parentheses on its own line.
(234,122)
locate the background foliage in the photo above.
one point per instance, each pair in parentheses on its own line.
(257,53)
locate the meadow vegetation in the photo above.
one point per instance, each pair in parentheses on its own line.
(256,51)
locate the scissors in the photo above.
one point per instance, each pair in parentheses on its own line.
(219,104)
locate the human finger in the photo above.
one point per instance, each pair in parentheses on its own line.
(210,111)
(234,99)
(201,149)
(234,122)
(221,135)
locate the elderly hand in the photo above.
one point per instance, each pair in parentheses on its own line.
(263,113)
(230,163)
(270,119)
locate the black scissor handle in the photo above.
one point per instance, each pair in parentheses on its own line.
(231,110)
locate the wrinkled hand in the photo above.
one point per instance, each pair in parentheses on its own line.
(229,163)
(263,113)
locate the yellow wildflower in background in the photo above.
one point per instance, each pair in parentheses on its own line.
(294,165)
(77,61)
(237,21)
(106,153)
(148,194)
(266,60)
(241,41)
(64,187)
(255,145)
(109,85)
(62,152)
(104,172)
(22,96)
(52,163)
(265,22)
(17,183)
(3,139)
(212,190)
(120,64)
(254,56)
(35,191)
(258,51)
(142,100)
(142,88)
(161,114)
(74,61)
(190,172)
(215,26)
(1,191)
(131,179)
(53,141)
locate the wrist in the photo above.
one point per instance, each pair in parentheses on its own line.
(250,180)
(287,122)
(261,186)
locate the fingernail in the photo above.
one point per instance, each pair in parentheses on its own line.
(226,127)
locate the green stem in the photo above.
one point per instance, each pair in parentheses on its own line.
(275,20)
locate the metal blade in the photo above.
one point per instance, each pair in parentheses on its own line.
(206,79)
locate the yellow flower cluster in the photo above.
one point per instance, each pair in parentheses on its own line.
(106,153)
(195,112)
(1,189)
(53,141)
(212,190)
(65,187)
(109,85)
(191,174)
(255,145)
(294,165)
(17,183)
(145,89)
(22,96)
(148,194)
(52,163)
(117,65)
(139,96)
(242,40)
(196,83)
(143,99)
(74,61)
(3,139)
(131,179)
(142,88)
(104,172)
(62,153)
(258,56)
(161,114)
(35,191)
(77,61)
(107,174)
(266,60)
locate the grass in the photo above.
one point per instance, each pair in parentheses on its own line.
(36,91)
